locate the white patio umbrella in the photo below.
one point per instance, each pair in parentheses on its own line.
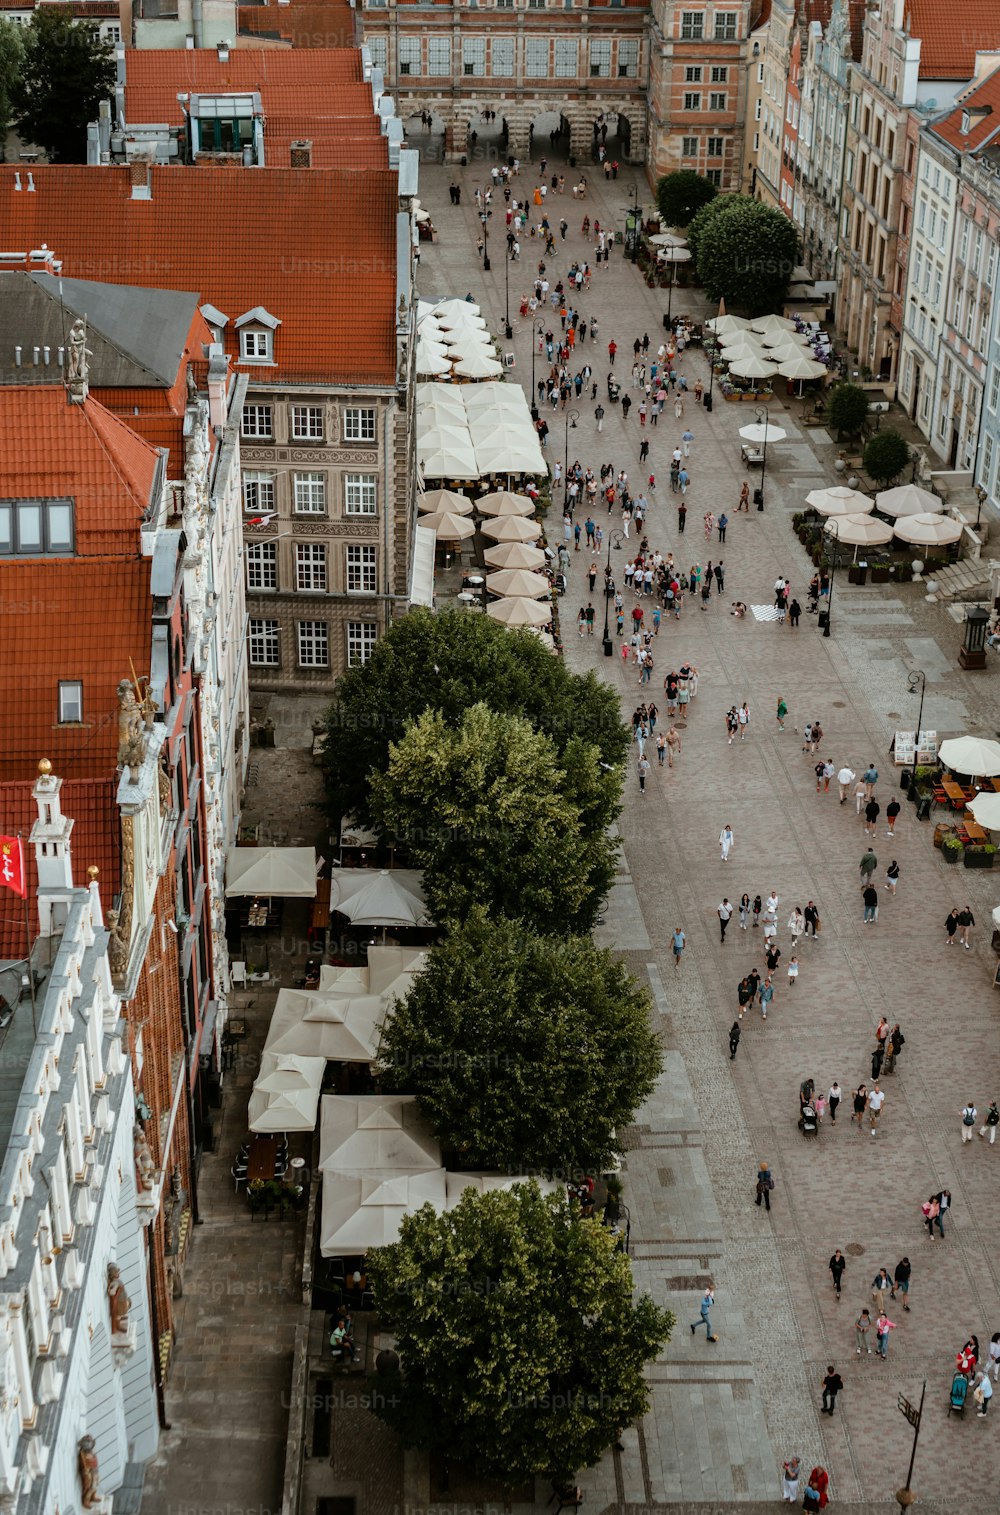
(479,366)
(520,612)
(449,526)
(434,500)
(459,1184)
(782,338)
(976,755)
(860,530)
(786,352)
(929,530)
(453,307)
(375,1132)
(801,367)
(429,360)
(840,501)
(514,555)
(985,810)
(758,432)
(908,500)
(521,454)
(511,529)
(503,502)
(772,324)
(720,325)
(359,1212)
(752,367)
(519,581)
(339,1028)
(667,239)
(286,1093)
(741,345)
(545,637)
(380,897)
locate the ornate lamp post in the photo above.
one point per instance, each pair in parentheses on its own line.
(833,530)
(615,540)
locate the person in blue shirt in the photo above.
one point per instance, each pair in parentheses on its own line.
(677,945)
(706,1304)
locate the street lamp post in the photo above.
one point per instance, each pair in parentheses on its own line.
(914,1415)
(508,329)
(615,540)
(981,498)
(484,216)
(537,330)
(670,296)
(760,411)
(834,531)
(572,416)
(918,674)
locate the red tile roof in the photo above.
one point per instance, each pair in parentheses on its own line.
(306,25)
(90,804)
(315,249)
(51,448)
(983,106)
(950,36)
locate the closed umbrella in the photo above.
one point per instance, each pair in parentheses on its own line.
(753,367)
(985,810)
(444,500)
(929,531)
(514,555)
(511,529)
(503,502)
(449,526)
(519,581)
(520,612)
(840,501)
(908,500)
(975,755)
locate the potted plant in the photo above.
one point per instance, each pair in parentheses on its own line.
(951,849)
(980,857)
(942,831)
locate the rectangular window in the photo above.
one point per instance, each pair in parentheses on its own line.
(714,176)
(379,49)
(502,57)
(600,58)
(409,55)
(361,570)
(361,639)
(720,76)
(36,528)
(692,74)
(360,494)
(474,57)
(307,423)
(262,565)
(359,424)
(987,472)
(258,421)
(567,57)
(258,492)
(725,26)
(255,346)
(692,26)
(314,644)
(536,57)
(536,5)
(309,493)
(628,57)
(692,101)
(716,147)
(439,57)
(994,388)
(310,567)
(689,147)
(264,641)
(70,701)
(717,101)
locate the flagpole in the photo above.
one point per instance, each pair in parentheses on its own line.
(27,937)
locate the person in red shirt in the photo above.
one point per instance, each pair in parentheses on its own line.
(612,349)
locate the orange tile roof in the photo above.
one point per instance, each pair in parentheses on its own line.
(310,85)
(315,249)
(306,25)
(951,37)
(69,618)
(90,804)
(983,106)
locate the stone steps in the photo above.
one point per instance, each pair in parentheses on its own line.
(970,573)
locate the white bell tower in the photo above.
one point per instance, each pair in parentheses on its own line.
(50,837)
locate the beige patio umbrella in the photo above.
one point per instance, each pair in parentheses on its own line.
(479,366)
(459,1184)
(840,501)
(782,338)
(762,431)
(519,581)
(454,308)
(741,345)
(286,1093)
(930,531)
(380,896)
(503,502)
(860,531)
(375,1132)
(974,755)
(362,1211)
(786,352)
(769,324)
(908,500)
(801,367)
(985,811)
(449,526)
(511,529)
(752,367)
(433,500)
(339,1028)
(726,323)
(667,239)
(431,360)
(514,555)
(520,612)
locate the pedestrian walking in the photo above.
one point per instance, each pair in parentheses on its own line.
(951,926)
(868,864)
(725,913)
(982,1394)
(793,971)
(812,919)
(901,1281)
(744,911)
(845,778)
(859,796)
(721,525)
(931,1213)
(993,1360)
(677,945)
(726,842)
(991,1122)
(834,1097)
(969,1117)
(891,812)
(708,1300)
(681,518)
(735,1032)
(642,768)
(591,615)
(860,1102)
(872,812)
(796,925)
(838,1267)
(880,1283)
(870,896)
(876,1099)
(766,995)
(870,777)
(765,1186)
(966,921)
(790,1474)
(882,1328)
(832,1385)
(862,1333)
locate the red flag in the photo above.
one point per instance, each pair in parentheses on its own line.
(12,865)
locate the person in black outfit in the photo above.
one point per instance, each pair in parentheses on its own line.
(794,611)
(832,1385)
(877,1057)
(901,1280)
(735,1031)
(837,1266)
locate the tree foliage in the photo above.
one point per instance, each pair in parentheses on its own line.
(681,195)
(744,252)
(493,812)
(522,1349)
(886,455)
(847,409)
(66,72)
(526,1052)
(11,64)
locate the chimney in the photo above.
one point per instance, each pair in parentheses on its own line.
(223,51)
(218,371)
(302,153)
(17,181)
(142,180)
(48,355)
(37,354)
(189,42)
(31,184)
(50,837)
(17,357)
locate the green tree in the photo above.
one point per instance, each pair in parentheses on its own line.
(447,662)
(846,409)
(885,457)
(744,252)
(525,1052)
(679,196)
(11,63)
(66,73)
(522,1348)
(493,813)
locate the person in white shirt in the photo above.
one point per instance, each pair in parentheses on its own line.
(969,1114)
(796,924)
(983,1393)
(876,1099)
(725,916)
(845,778)
(726,842)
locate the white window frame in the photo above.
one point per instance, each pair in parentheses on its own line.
(262,566)
(720,74)
(474,57)
(70,708)
(726,26)
(362,637)
(311,571)
(256,344)
(309,494)
(361,568)
(502,57)
(361,494)
(378,47)
(410,62)
(258,492)
(718,100)
(689,147)
(359,423)
(692,73)
(312,644)
(628,57)
(262,418)
(306,423)
(692,99)
(692,26)
(716,147)
(263,642)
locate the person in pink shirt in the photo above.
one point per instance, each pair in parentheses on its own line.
(882,1328)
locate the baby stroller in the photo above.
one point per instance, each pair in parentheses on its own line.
(959,1393)
(808,1120)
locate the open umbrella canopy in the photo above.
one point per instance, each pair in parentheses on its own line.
(741,346)
(667,239)
(434,500)
(338,1028)
(860,530)
(799,366)
(520,453)
(726,323)
(782,338)
(759,431)
(362,1211)
(772,323)
(520,612)
(362,1133)
(479,366)
(459,1184)
(503,502)
(929,531)
(511,529)
(985,811)
(284,872)
(286,1093)
(908,500)
(975,755)
(752,367)
(840,501)
(453,308)
(380,897)
(519,581)
(673,255)
(514,555)
(449,526)
(430,360)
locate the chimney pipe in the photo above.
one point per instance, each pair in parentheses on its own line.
(48,355)
(17,357)
(31,184)
(223,51)
(62,356)
(17,181)
(37,352)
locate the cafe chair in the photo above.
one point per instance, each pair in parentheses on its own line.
(238,1172)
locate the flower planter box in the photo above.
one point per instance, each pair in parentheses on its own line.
(880,574)
(951,854)
(976,857)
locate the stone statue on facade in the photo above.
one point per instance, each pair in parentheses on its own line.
(90,1496)
(118,1302)
(77,367)
(131,729)
(145,1169)
(117,946)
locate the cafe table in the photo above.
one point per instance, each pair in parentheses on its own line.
(262,1159)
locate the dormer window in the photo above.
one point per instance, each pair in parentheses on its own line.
(257,328)
(966,123)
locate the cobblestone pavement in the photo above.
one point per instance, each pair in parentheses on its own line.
(725,1415)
